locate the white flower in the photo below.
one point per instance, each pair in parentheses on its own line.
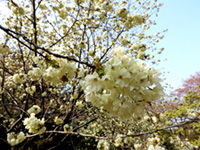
(118,51)
(162,117)
(79,104)
(146,118)
(19,78)
(106,6)
(153,141)
(51,75)
(122,77)
(134,20)
(4,49)
(44,94)
(103,145)
(138,19)
(137,146)
(124,42)
(63,71)
(34,125)
(58,120)
(135,46)
(118,141)
(107,83)
(31,89)
(122,12)
(34,109)
(154,118)
(92,82)
(151,147)
(81,44)
(35,73)
(140,54)
(68,128)
(125,87)
(14,139)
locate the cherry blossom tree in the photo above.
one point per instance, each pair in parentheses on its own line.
(80,74)
(188,85)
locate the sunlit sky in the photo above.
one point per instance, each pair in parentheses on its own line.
(181,42)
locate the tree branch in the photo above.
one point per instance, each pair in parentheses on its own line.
(122,136)
(9,32)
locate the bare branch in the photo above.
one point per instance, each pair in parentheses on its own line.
(9,32)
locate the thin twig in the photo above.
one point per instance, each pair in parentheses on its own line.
(122,136)
(9,32)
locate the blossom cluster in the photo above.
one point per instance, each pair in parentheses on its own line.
(34,125)
(129,20)
(31,89)
(68,128)
(141,48)
(19,78)
(58,120)
(55,74)
(182,145)
(3,49)
(118,141)
(125,87)
(53,70)
(134,20)
(153,144)
(34,109)
(14,139)
(35,73)
(103,145)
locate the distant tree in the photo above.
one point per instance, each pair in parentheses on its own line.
(187,108)
(188,85)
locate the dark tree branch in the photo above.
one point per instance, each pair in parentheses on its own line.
(9,32)
(111,45)
(76,19)
(2,86)
(35,26)
(122,136)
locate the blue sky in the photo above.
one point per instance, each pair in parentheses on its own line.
(181,42)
